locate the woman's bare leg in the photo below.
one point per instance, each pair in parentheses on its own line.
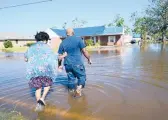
(38,94)
(46,89)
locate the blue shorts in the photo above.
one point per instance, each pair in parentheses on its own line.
(75,72)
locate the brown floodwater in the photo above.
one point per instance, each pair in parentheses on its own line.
(129,83)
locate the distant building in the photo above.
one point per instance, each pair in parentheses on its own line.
(17,41)
(106,36)
(136,37)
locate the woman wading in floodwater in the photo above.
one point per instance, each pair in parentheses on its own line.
(41,67)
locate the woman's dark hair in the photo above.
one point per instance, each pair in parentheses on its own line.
(42,36)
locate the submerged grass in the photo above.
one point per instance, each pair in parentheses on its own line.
(13,115)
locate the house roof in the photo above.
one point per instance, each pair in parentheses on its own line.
(91,31)
(9,35)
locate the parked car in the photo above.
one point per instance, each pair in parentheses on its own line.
(133,41)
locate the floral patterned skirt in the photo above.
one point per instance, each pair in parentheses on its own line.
(39,82)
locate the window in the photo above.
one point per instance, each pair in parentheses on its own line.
(94,39)
(16,41)
(112,38)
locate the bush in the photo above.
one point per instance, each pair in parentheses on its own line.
(89,42)
(8,44)
(29,44)
(97,44)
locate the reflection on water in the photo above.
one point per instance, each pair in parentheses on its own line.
(128,83)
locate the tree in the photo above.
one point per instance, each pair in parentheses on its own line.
(64,25)
(140,25)
(8,44)
(78,23)
(157,13)
(119,22)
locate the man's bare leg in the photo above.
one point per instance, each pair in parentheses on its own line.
(78,92)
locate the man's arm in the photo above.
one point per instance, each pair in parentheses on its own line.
(82,46)
(86,54)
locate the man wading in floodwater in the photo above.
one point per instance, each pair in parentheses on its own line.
(74,66)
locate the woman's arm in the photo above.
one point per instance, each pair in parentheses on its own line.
(59,63)
(26,57)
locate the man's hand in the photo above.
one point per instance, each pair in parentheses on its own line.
(89,61)
(60,68)
(26,60)
(86,54)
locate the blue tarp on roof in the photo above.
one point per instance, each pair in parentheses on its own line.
(91,31)
(113,30)
(136,35)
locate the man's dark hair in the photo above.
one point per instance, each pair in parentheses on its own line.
(42,36)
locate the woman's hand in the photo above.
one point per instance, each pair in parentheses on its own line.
(26,60)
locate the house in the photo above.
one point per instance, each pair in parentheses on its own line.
(106,36)
(17,41)
(136,37)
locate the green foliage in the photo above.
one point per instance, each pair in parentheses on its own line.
(140,26)
(29,44)
(157,12)
(155,20)
(89,42)
(97,44)
(8,44)
(127,30)
(120,22)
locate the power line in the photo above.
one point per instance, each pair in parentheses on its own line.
(25,4)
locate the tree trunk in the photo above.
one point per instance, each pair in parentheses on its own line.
(145,34)
(163,36)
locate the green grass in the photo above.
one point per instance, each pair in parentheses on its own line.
(24,49)
(166,42)
(14,49)
(19,49)
(92,47)
(13,115)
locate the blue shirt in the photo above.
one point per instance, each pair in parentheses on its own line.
(73,46)
(41,61)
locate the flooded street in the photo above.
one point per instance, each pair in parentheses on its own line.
(128,83)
